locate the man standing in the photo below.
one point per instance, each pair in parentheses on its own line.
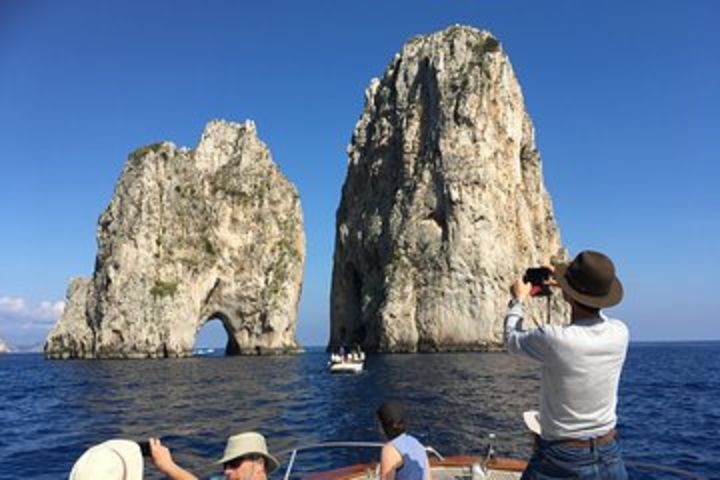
(581,365)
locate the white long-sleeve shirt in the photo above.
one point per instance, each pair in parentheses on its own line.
(581,365)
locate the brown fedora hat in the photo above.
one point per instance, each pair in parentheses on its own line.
(590,280)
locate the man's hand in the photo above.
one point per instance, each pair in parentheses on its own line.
(161,456)
(164,462)
(520,290)
(551,281)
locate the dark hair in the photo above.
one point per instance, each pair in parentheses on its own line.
(392,418)
(594,310)
(590,309)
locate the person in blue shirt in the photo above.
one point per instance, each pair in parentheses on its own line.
(403,457)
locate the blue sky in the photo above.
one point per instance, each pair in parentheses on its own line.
(625,97)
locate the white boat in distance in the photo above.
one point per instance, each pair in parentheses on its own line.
(348,363)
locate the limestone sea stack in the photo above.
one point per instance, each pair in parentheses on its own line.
(443,204)
(3,347)
(191,236)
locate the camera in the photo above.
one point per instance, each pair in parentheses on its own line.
(537,277)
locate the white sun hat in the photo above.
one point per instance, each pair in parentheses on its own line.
(111,460)
(532,421)
(249,443)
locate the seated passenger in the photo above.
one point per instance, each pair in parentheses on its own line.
(402,457)
(123,460)
(111,460)
(246,457)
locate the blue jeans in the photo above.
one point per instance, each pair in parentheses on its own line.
(555,460)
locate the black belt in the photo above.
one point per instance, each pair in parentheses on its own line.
(591,442)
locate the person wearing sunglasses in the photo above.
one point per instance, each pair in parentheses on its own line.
(246,457)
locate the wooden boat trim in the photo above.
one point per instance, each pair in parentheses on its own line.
(498,463)
(342,473)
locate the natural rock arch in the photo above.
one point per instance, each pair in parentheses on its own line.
(231,344)
(188,235)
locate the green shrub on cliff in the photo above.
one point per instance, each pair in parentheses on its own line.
(142,151)
(163,289)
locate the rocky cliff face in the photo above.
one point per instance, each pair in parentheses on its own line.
(443,204)
(191,236)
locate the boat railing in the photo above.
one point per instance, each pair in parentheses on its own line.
(326,445)
(633,463)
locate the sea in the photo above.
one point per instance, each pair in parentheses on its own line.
(51,411)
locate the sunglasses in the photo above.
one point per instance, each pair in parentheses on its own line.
(236,462)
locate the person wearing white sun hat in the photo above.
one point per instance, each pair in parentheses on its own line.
(123,460)
(111,460)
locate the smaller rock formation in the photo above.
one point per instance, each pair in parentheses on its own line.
(3,347)
(191,236)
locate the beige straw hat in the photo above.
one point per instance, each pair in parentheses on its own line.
(249,443)
(111,460)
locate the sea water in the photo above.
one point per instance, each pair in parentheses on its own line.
(51,411)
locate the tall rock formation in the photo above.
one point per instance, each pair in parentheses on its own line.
(3,347)
(190,236)
(443,204)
